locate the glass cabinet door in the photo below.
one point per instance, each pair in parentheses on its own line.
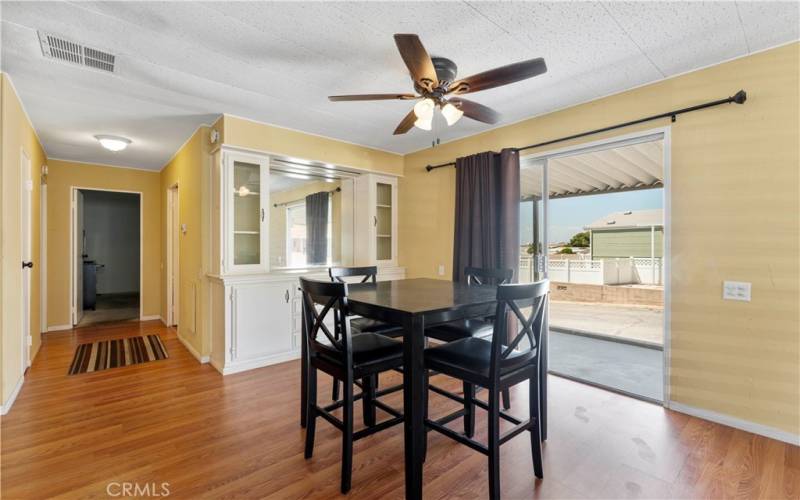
(246,208)
(383,221)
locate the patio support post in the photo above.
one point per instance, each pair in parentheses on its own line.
(653,254)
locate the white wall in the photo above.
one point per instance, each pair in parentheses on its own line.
(111,221)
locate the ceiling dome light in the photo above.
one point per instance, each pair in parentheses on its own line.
(424,109)
(113,142)
(451,113)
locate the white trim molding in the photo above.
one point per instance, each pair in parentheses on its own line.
(202,359)
(59,328)
(13,397)
(150,317)
(737,423)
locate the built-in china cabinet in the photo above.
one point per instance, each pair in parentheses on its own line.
(272,220)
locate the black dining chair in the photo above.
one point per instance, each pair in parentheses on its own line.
(474,327)
(496,364)
(348,359)
(366,274)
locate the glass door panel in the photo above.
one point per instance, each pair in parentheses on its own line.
(533,238)
(247,213)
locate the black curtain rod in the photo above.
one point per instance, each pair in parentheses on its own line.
(332,192)
(739,98)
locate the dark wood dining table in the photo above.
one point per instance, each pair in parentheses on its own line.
(417,304)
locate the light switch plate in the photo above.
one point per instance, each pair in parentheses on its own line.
(736,290)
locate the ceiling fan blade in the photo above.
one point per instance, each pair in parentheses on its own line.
(406,124)
(500,76)
(371,97)
(476,111)
(417,60)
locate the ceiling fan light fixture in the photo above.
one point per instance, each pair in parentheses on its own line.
(451,113)
(424,124)
(424,110)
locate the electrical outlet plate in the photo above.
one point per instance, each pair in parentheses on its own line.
(736,290)
(441,269)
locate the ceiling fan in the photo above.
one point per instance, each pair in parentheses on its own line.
(435,79)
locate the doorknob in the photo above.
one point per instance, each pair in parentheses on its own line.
(27,264)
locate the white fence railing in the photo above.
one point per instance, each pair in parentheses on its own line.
(597,272)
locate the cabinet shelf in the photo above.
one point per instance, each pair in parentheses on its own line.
(383,235)
(383,206)
(246,232)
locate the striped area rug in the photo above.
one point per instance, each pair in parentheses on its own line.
(105,354)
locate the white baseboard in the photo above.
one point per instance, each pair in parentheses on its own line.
(738,423)
(13,397)
(149,318)
(59,328)
(163,321)
(193,351)
(252,364)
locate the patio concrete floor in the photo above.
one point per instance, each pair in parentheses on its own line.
(638,323)
(631,369)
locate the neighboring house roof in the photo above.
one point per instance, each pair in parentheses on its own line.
(629,219)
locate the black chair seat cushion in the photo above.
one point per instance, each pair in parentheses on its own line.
(367,325)
(462,329)
(470,355)
(367,348)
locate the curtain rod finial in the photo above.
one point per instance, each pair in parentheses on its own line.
(740,97)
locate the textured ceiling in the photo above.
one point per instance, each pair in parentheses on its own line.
(181,64)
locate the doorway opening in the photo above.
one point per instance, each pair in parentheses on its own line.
(106,251)
(173,255)
(26,254)
(594,221)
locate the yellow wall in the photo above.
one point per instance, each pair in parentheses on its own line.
(735,206)
(263,137)
(62,177)
(187,169)
(17,135)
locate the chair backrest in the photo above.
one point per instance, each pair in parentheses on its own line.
(332,296)
(367,273)
(484,276)
(512,325)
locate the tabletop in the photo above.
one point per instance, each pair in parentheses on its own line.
(421,295)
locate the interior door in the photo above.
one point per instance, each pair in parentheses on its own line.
(78,252)
(27,264)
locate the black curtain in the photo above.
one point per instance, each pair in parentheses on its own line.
(487,212)
(317,228)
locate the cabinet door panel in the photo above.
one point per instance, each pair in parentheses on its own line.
(262,320)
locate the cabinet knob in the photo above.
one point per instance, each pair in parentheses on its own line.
(287,296)
(375,220)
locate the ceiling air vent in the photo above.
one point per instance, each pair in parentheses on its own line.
(56,47)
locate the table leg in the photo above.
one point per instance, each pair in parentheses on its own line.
(413,403)
(543,383)
(303,378)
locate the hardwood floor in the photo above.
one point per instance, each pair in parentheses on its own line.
(179,422)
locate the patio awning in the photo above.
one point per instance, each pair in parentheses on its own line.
(623,168)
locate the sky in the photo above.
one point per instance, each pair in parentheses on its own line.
(568,216)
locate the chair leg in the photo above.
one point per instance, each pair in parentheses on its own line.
(469,410)
(347,434)
(335,390)
(535,430)
(494,444)
(370,413)
(425,392)
(506,399)
(311,410)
